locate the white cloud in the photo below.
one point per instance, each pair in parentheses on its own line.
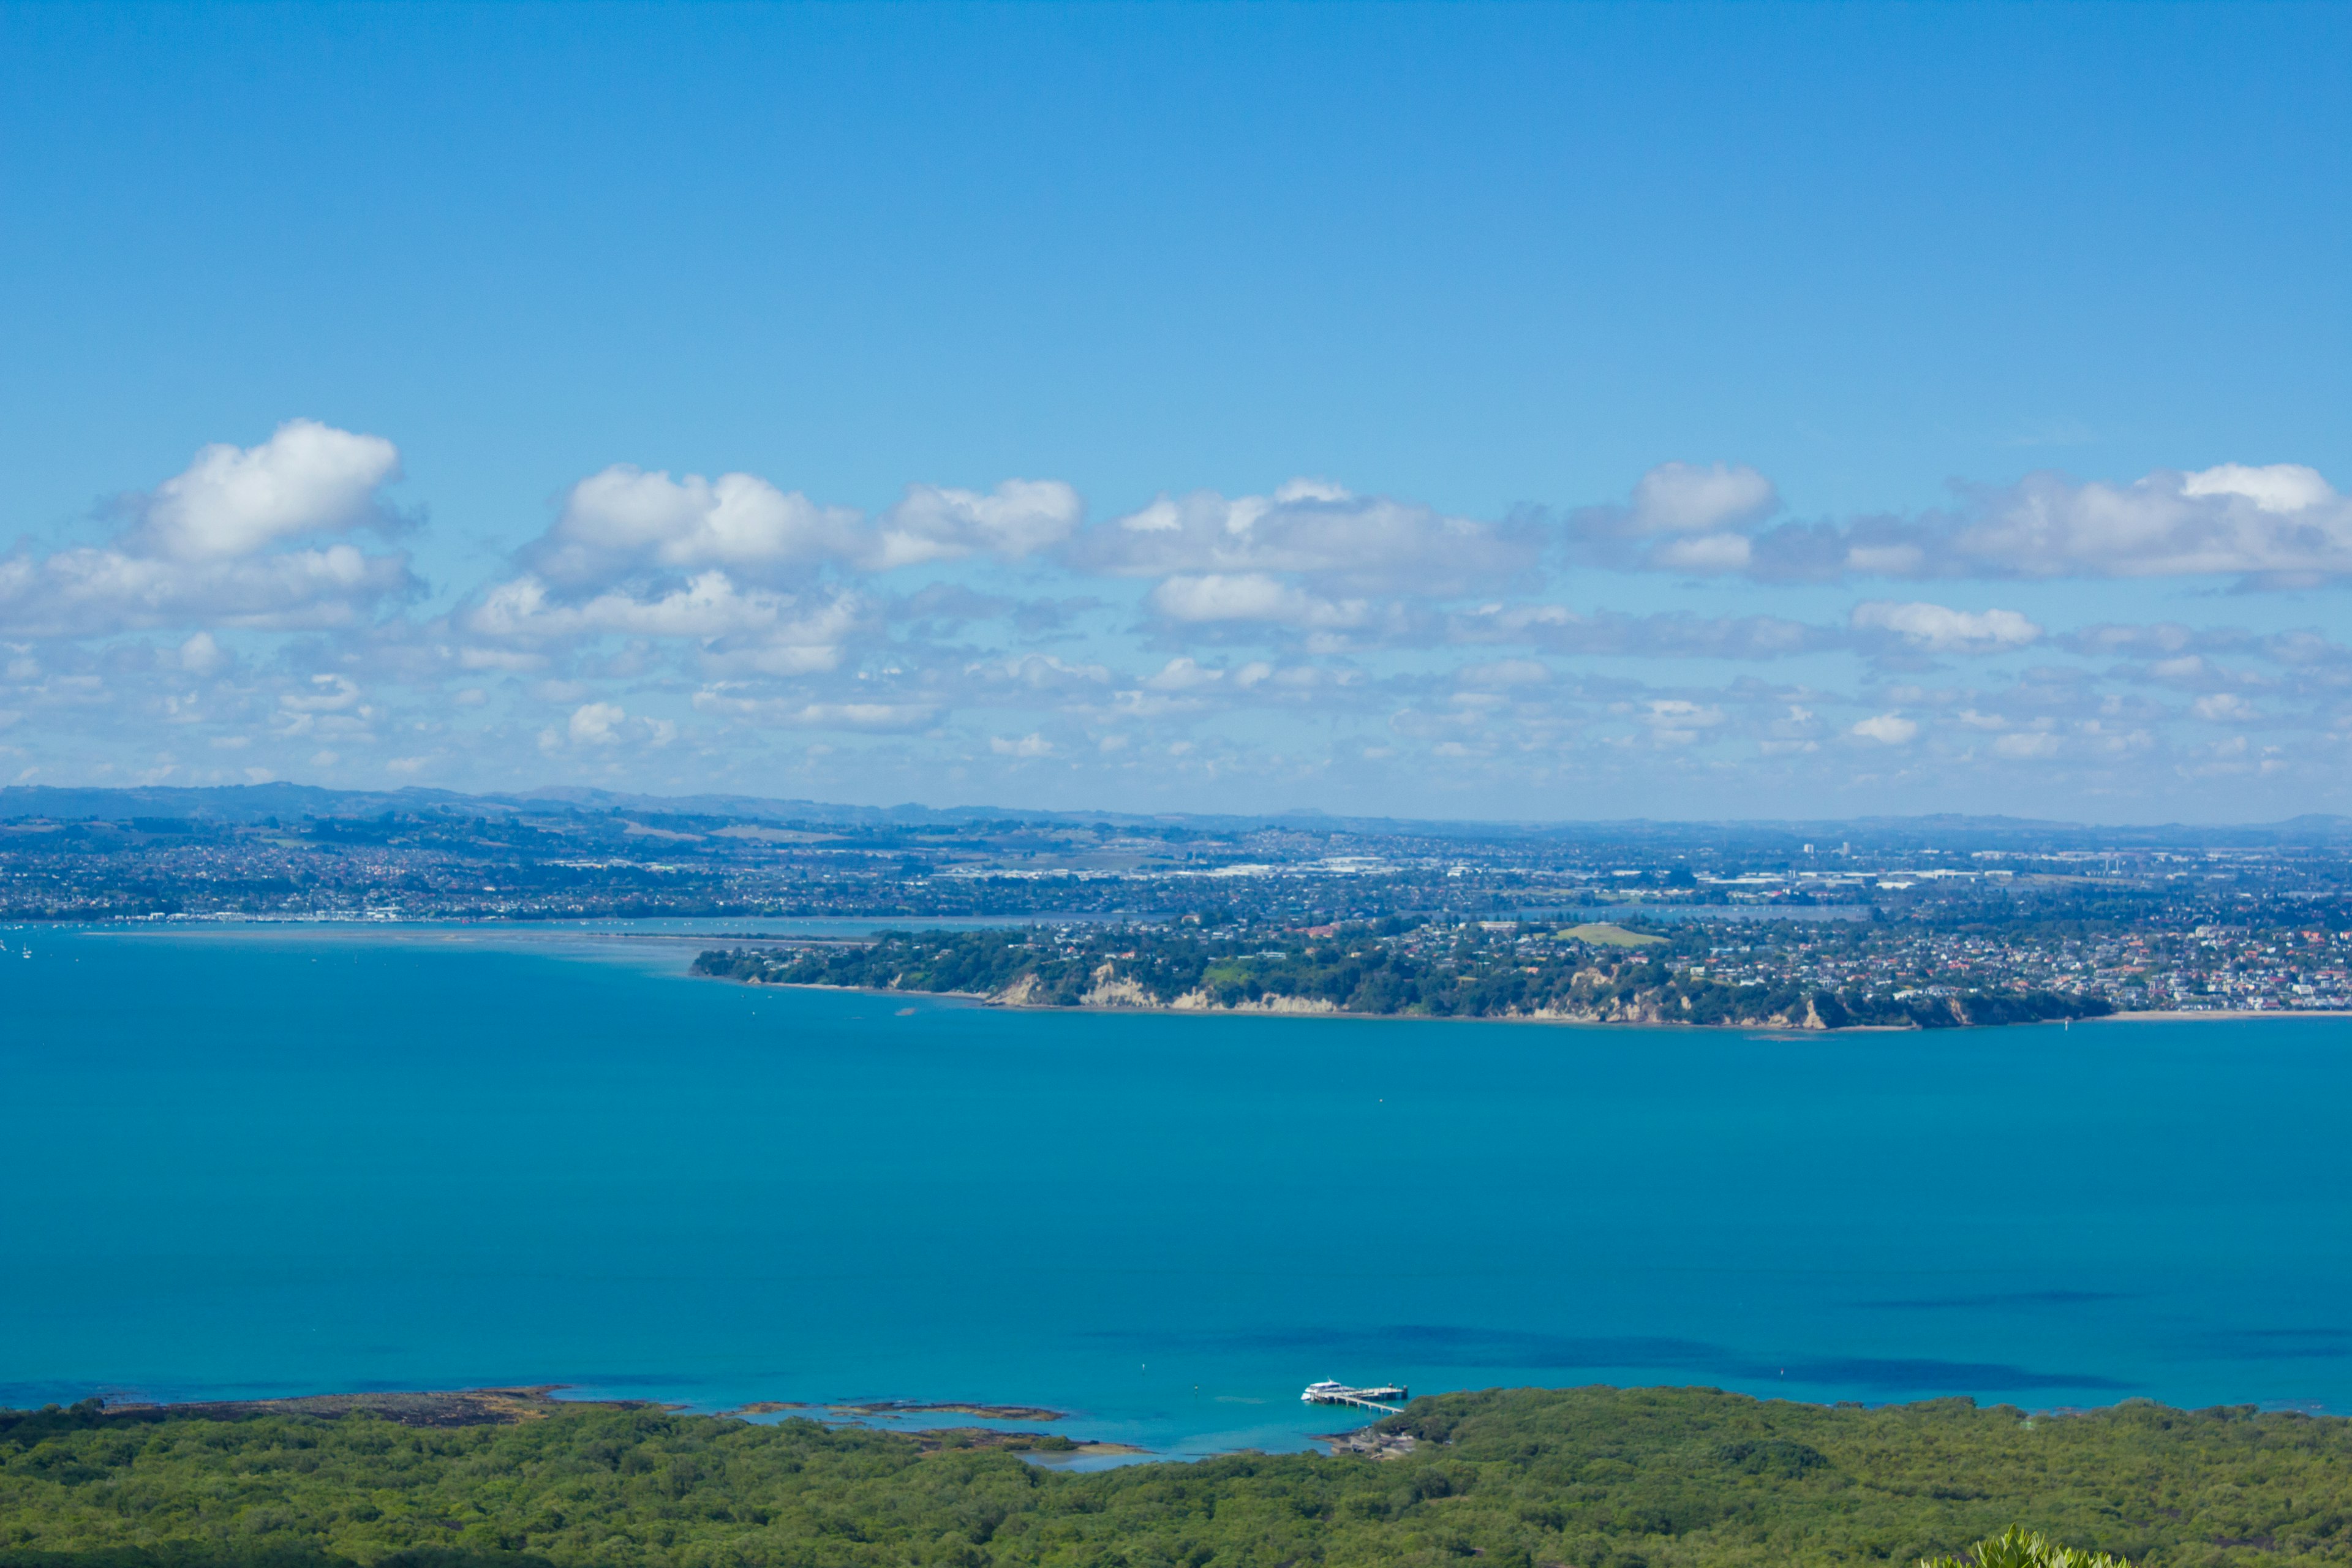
(1183,675)
(1681,517)
(231,501)
(1044,672)
(1030,745)
(597,723)
(747,629)
(1020,518)
(92,593)
(1678,721)
(328,694)
(1254,596)
(1501,673)
(2225,708)
(1887,729)
(726,700)
(2284,520)
(2282,487)
(2281,525)
(200,655)
(1709,555)
(1556,628)
(1683,498)
(623,521)
(2023,746)
(1343,542)
(195,549)
(1935,628)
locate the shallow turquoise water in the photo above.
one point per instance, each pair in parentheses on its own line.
(301,1159)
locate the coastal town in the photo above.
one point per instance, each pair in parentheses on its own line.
(1701,969)
(1919,919)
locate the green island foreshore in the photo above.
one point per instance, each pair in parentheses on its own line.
(1579,1478)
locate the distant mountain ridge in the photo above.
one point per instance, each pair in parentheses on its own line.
(244,804)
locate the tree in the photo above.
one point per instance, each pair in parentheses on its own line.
(2014,1547)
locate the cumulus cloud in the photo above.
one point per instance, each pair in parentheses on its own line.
(197,549)
(94,592)
(596,727)
(1681,498)
(1343,544)
(1042,673)
(2164,640)
(1681,516)
(1254,596)
(623,523)
(1934,628)
(2281,521)
(2276,525)
(202,655)
(750,628)
(2225,708)
(1020,517)
(597,723)
(1887,729)
(2027,744)
(231,501)
(1183,675)
(729,700)
(1679,634)
(1678,721)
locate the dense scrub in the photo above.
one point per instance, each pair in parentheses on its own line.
(1598,1477)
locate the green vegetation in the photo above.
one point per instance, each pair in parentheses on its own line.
(2016,1548)
(1597,1477)
(1586,974)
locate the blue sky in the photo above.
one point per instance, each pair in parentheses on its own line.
(1516,412)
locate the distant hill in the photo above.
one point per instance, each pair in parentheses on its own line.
(1948,831)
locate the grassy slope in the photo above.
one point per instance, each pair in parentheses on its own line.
(1598,1478)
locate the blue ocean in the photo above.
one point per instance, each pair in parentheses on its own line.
(245,1162)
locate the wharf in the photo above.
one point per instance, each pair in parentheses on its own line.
(1330,1393)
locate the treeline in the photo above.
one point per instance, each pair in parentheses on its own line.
(1595,1476)
(1465,973)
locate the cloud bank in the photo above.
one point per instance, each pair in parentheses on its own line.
(257,614)
(2280,525)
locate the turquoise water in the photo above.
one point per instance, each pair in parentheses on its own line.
(253,1161)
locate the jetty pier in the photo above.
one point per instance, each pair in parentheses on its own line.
(1330,1393)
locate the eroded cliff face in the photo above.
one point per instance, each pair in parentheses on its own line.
(1109,989)
(1204,1002)
(1590,1003)
(1022,993)
(1659,1007)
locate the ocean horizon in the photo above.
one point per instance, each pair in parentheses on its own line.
(262,1160)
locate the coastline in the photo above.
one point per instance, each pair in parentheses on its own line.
(449,1408)
(1327,1010)
(2192,1015)
(440,1407)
